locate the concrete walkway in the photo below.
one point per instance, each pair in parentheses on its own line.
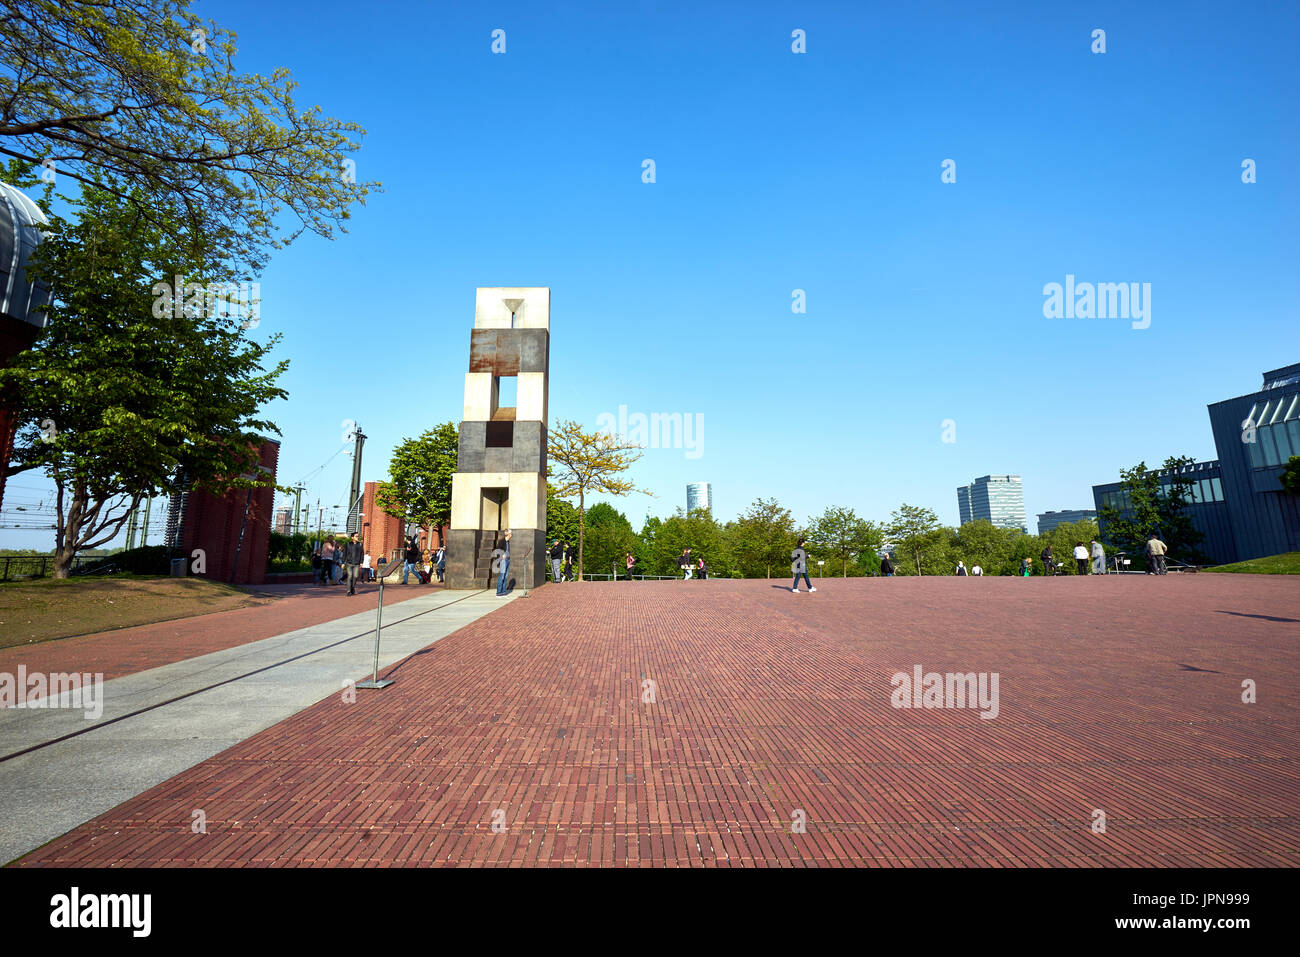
(157,723)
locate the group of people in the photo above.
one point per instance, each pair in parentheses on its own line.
(562,556)
(691,565)
(333,563)
(423,562)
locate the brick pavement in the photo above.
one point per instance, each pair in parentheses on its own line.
(1120,694)
(127,651)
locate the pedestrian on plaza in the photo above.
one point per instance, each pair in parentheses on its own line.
(327,561)
(440,562)
(1049,564)
(631,565)
(1156,550)
(703,569)
(1026,566)
(570,556)
(685,564)
(977,572)
(961,569)
(800,567)
(1081,557)
(353,553)
(367,570)
(557,557)
(886,566)
(315,565)
(411,559)
(1098,558)
(502,578)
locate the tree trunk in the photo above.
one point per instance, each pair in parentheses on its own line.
(581,529)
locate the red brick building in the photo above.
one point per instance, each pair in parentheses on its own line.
(212,523)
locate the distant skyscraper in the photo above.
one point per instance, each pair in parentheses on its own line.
(998,498)
(699,495)
(1049,520)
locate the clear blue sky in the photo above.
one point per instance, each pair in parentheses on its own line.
(778,171)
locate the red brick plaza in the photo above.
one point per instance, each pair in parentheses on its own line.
(1118,695)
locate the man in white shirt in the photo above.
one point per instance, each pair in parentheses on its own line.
(977,571)
(1081,558)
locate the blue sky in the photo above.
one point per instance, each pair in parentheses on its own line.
(779,171)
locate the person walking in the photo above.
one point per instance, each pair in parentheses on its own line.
(1081,558)
(556,556)
(315,565)
(327,562)
(977,572)
(1156,550)
(367,571)
(886,566)
(1098,558)
(440,563)
(961,569)
(503,579)
(570,556)
(685,563)
(631,565)
(411,560)
(353,552)
(800,567)
(703,569)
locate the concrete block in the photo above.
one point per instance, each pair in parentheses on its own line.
(479,396)
(533,309)
(530,403)
(534,350)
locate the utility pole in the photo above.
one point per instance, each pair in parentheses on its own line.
(144,532)
(297,509)
(354,495)
(130,528)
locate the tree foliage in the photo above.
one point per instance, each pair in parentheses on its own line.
(133,406)
(839,534)
(143,98)
(762,539)
(911,528)
(1158,501)
(587,463)
(421,471)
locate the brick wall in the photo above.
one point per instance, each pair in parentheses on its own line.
(212,523)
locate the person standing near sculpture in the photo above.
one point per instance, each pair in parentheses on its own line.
(353,553)
(504,558)
(327,562)
(556,555)
(440,562)
(412,560)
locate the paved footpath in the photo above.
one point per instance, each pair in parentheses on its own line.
(60,767)
(768,736)
(125,651)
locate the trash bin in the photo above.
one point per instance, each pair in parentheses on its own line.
(178,568)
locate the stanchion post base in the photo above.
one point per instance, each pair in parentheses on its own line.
(381,683)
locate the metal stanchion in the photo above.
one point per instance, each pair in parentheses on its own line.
(375,681)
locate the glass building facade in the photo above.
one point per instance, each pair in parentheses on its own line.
(1049,520)
(998,498)
(699,495)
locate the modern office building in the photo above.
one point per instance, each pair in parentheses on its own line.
(1238,502)
(1049,520)
(699,495)
(998,498)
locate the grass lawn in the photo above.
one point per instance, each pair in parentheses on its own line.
(50,608)
(1287,563)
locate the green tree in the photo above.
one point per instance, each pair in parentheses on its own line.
(838,533)
(136,406)
(1290,477)
(587,463)
(698,531)
(1158,500)
(911,528)
(145,92)
(421,470)
(762,538)
(609,538)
